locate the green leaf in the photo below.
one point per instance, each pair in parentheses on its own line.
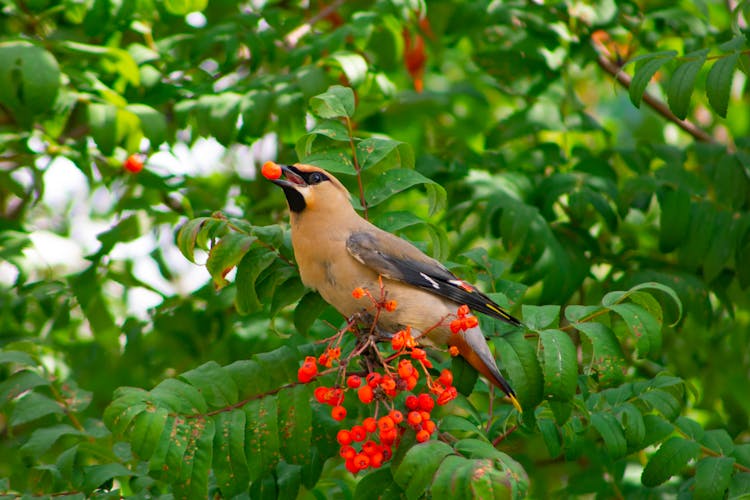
(126,229)
(682,83)
(607,358)
(18,383)
(147,431)
(519,359)
(336,102)
(262,438)
(644,327)
(459,478)
(113,59)
(153,123)
(310,307)
(719,441)
(656,429)
(662,401)
(255,109)
(43,438)
(633,425)
(226,254)
(722,245)
(377,485)
(387,153)
(464,375)
(184,7)
(609,429)
(669,459)
(538,318)
(415,472)
(295,423)
(33,406)
(550,432)
(16,357)
(674,219)
(645,69)
(96,475)
(102,120)
(712,477)
(29,80)
(230,463)
(394,181)
(732,183)
(126,404)
(179,397)
(719,82)
(354,67)
(191,480)
(215,384)
(559,364)
(740,486)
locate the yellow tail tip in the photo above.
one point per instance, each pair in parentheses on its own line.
(515,402)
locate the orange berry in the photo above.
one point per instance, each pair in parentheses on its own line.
(426,403)
(387,383)
(358,293)
(427,363)
(446,377)
(353,381)
(391,305)
(376,460)
(304,374)
(397,416)
(429,426)
(414,418)
(271,170)
(397,342)
(388,437)
(321,394)
(453,350)
(134,163)
(386,423)
(448,395)
(369,448)
(350,466)
(365,394)
(471,322)
(344,437)
(338,412)
(405,368)
(418,353)
(463,311)
(370,424)
(456,326)
(423,436)
(411,382)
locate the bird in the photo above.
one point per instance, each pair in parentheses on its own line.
(338,251)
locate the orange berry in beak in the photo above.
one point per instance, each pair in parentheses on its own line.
(271,170)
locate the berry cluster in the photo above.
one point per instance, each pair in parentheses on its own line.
(390,380)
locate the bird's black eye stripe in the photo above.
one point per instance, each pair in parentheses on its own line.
(316,178)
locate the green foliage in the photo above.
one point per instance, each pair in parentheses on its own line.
(520,165)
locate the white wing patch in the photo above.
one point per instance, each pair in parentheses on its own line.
(431,281)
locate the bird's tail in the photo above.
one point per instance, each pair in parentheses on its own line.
(473,347)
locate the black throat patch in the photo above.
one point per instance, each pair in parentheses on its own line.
(295,199)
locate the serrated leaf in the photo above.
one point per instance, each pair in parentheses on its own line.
(607,358)
(43,438)
(722,245)
(147,431)
(193,466)
(674,218)
(126,404)
(215,384)
(334,161)
(662,401)
(633,425)
(459,478)
(712,477)
(253,263)
(719,441)
(230,463)
(96,475)
(464,375)
(519,359)
(179,397)
(719,82)
(226,254)
(18,383)
(415,472)
(196,232)
(336,102)
(539,317)
(392,182)
(377,485)
(702,223)
(262,438)
(16,357)
(309,308)
(550,432)
(559,364)
(575,313)
(682,83)
(669,459)
(644,327)
(295,423)
(385,153)
(609,429)
(645,69)
(33,406)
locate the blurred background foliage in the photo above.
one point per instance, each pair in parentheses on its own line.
(552,187)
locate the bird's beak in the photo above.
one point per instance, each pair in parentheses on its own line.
(290,179)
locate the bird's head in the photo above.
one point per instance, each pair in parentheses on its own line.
(310,188)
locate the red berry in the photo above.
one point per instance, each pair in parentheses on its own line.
(429,426)
(370,448)
(358,433)
(386,423)
(426,403)
(412,402)
(414,418)
(321,394)
(370,424)
(448,395)
(463,311)
(134,163)
(397,416)
(353,381)
(347,452)
(446,378)
(344,437)
(271,170)
(338,413)
(362,461)
(350,466)
(373,379)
